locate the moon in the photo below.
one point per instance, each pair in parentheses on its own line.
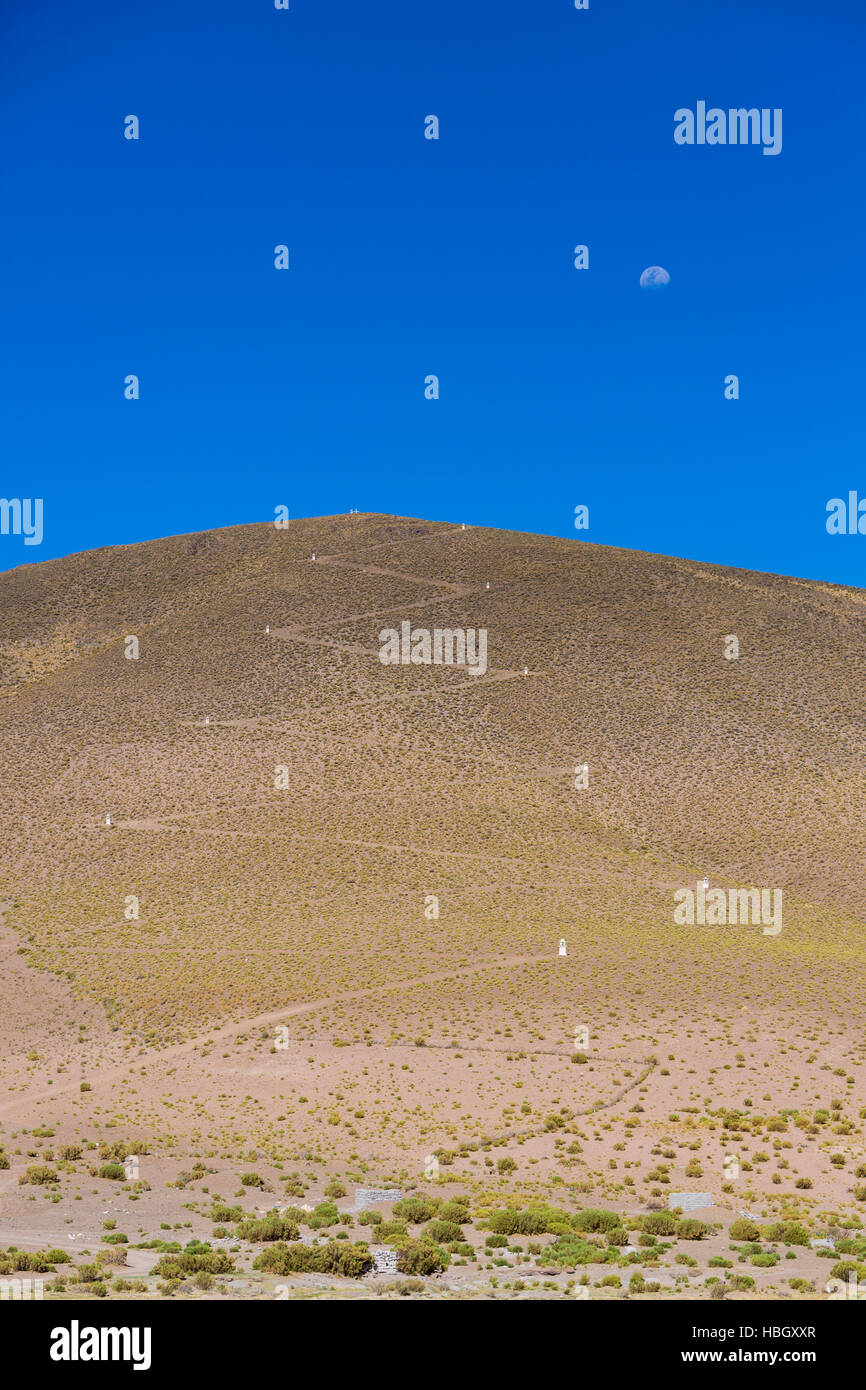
(654,278)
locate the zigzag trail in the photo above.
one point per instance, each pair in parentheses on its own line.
(275,1016)
(296,632)
(234,1029)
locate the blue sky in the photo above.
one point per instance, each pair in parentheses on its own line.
(453,257)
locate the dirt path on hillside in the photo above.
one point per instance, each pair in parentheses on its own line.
(298,632)
(213,1036)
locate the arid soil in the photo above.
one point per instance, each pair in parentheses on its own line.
(319,944)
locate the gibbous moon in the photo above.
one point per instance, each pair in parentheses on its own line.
(654,277)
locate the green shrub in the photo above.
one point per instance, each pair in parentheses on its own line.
(660,1223)
(324,1214)
(39,1174)
(220,1213)
(114,1255)
(690,1229)
(390,1230)
(112,1170)
(271,1227)
(420,1257)
(119,1149)
(788,1233)
(441,1232)
(454,1211)
(843,1268)
(592,1219)
(414,1210)
(744,1229)
(572,1250)
(346,1259)
(36,1261)
(530,1222)
(179,1266)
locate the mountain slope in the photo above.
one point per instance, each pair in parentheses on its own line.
(407,781)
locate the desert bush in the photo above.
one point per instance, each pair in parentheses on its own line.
(116,1171)
(691,1229)
(390,1230)
(271,1227)
(788,1233)
(843,1268)
(454,1211)
(324,1214)
(34,1261)
(40,1174)
(114,1255)
(571,1250)
(119,1149)
(593,1219)
(744,1229)
(346,1259)
(188,1262)
(414,1210)
(220,1212)
(440,1232)
(532,1221)
(660,1223)
(420,1257)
